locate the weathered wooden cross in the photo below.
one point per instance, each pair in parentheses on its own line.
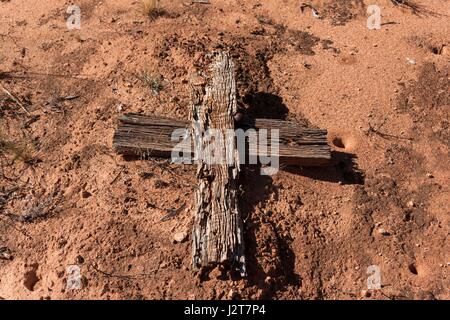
(218,234)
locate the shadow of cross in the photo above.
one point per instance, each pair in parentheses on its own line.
(220,141)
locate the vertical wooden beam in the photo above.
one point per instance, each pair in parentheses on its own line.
(218,228)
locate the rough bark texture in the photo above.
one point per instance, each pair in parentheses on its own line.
(150,136)
(218,232)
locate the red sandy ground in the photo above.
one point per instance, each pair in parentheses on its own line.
(310,233)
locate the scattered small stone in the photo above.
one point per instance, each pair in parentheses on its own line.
(383,232)
(86,194)
(180,237)
(79,259)
(160,184)
(411,204)
(315,13)
(268,280)
(5,253)
(60,273)
(365,294)
(146,175)
(231,294)
(191,296)
(430,176)
(411,61)
(216,273)
(238,117)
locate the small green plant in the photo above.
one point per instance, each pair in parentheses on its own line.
(152,80)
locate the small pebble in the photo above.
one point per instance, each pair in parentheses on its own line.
(79,259)
(180,237)
(5,253)
(86,194)
(365,294)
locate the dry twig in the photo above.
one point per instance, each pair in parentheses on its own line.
(14,98)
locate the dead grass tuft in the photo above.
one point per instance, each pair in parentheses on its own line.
(21,150)
(150,8)
(414,7)
(152,80)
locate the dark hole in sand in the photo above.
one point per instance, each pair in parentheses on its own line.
(337,142)
(412,268)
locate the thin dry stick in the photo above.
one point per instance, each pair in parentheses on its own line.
(386,136)
(27,75)
(117,176)
(122,276)
(172,212)
(9,94)
(414,7)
